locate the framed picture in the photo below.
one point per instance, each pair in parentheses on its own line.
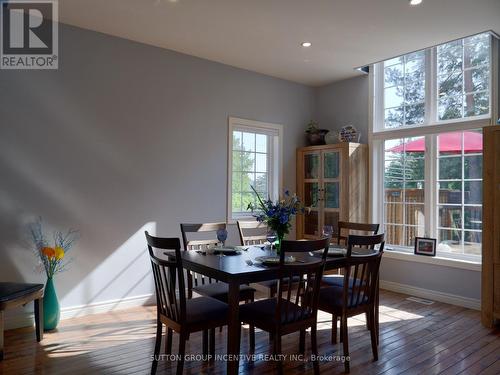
(425,246)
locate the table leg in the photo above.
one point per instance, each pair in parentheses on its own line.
(39,319)
(376,312)
(233,328)
(1,335)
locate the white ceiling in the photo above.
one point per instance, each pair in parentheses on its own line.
(264,35)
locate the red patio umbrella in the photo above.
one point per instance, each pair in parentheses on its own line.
(448,142)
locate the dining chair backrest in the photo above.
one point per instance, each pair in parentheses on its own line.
(345,228)
(168,277)
(299,283)
(252,232)
(206,235)
(361,271)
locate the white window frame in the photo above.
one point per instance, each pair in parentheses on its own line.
(430,129)
(431,96)
(275,160)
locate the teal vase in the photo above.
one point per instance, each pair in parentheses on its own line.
(51,310)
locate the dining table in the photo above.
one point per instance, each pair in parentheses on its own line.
(243,268)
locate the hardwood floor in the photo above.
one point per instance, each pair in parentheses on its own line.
(414,339)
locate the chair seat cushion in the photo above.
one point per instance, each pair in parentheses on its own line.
(332,298)
(265,311)
(202,309)
(13,291)
(221,290)
(338,280)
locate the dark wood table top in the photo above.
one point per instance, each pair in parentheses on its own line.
(231,267)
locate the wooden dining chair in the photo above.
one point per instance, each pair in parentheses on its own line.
(358,292)
(344,229)
(174,310)
(295,307)
(252,232)
(199,283)
(255,233)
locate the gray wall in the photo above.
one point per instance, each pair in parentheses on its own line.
(452,281)
(347,102)
(344,103)
(124,137)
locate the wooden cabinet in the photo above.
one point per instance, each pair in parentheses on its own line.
(490,286)
(333,179)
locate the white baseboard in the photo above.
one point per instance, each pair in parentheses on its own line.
(106,306)
(452,299)
(26,319)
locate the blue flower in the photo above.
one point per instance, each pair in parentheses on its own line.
(287,193)
(283,218)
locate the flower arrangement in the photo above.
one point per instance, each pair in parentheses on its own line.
(277,215)
(52,259)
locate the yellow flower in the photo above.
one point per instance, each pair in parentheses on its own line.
(49,252)
(59,252)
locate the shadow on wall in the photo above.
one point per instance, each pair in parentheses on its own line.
(74,179)
(103,269)
(124,273)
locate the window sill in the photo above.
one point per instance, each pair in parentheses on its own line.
(235,218)
(438,261)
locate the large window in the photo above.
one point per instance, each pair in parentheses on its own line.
(460,198)
(404,195)
(254,160)
(429,108)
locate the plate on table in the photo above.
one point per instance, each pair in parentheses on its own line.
(271,260)
(226,250)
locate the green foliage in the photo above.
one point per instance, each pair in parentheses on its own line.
(244,177)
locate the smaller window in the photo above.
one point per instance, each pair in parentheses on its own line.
(254,160)
(404,90)
(446,83)
(463,77)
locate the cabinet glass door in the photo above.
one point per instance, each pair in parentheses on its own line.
(331,195)
(311,224)
(311,199)
(311,194)
(331,164)
(311,166)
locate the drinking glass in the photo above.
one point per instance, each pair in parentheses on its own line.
(271,237)
(222,236)
(327,231)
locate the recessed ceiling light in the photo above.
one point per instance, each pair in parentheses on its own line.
(415,2)
(306,44)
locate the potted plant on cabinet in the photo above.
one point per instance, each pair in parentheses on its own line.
(315,136)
